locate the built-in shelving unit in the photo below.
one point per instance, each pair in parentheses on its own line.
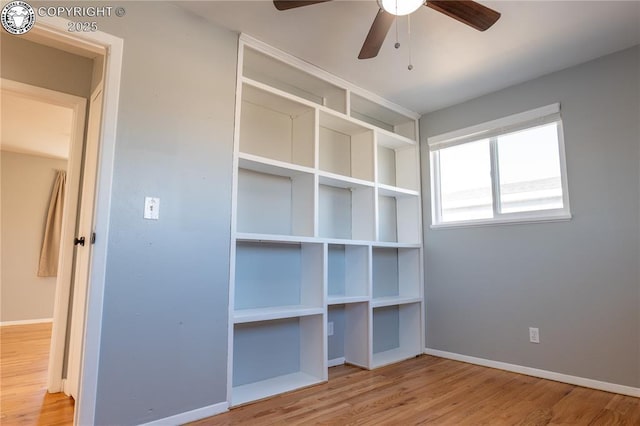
(326,227)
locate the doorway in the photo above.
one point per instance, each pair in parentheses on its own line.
(43,152)
(53,33)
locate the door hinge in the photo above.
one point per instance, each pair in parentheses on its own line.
(93,238)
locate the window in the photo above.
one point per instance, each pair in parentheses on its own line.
(507,170)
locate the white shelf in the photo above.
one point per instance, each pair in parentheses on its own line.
(273,238)
(273,313)
(392,140)
(391,244)
(392,356)
(274,386)
(248,236)
(332,179)
(379,302)
(346,241)
(344,300)
(395,192)
(272,167)
(342,124)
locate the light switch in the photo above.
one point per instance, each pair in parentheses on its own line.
(152,208)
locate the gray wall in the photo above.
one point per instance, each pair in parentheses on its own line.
(578,281)
(164,327)
(27,181)
(44,66)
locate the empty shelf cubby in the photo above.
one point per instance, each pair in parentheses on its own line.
(396,274)
(281,204)
(278,275)
(271,357)
(383,117)
(396,333)
(288,78)
(345,211)
(277,128)
(345,148)
(348,273)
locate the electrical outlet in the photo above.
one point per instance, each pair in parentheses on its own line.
(330,328)
(534,335)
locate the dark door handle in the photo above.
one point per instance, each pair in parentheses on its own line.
(78,241)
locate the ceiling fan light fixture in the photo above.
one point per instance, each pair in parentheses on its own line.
(400,7)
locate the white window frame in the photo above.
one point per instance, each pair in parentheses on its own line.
(492,130)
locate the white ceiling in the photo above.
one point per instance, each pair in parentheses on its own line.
(34,127)
(452,62)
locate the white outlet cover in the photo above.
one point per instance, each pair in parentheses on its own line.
(152,208)
(330,328)
(534,335)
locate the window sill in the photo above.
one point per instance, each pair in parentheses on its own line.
(512,220)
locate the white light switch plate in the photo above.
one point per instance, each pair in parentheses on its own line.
(152,208)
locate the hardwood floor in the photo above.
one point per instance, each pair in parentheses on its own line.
(430,390)
(24,399)
(425,390)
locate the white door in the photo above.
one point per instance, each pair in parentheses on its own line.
(84,239)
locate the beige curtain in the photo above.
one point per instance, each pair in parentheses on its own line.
(48,266)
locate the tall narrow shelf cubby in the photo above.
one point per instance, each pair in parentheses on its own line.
(348,273)
(326,227)
(394,338)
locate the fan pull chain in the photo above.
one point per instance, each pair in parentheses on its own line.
(410,67)
(397,45)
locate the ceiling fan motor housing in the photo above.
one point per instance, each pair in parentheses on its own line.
(400,7)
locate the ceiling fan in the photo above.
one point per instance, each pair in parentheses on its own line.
(468,12)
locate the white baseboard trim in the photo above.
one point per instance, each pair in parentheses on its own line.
(191,416)
(336,361)
(26,322)
(535,372)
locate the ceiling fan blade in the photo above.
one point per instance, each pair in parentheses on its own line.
(468,12)
(292,4)
(377,34)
